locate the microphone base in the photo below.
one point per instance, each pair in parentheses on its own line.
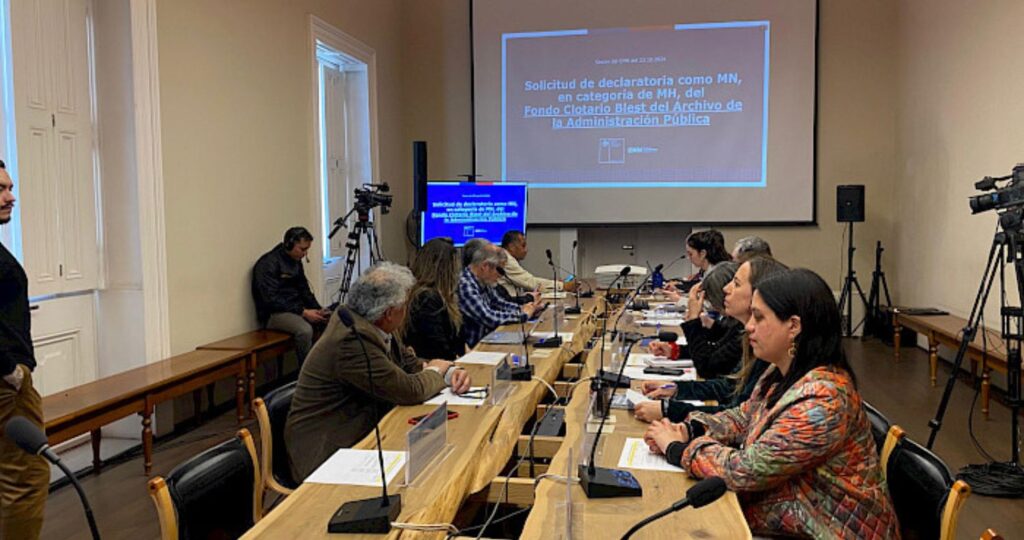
(549,343)
(521,373)
(615,380)
(366,516)
(573,310)
(602,483)
(588,294)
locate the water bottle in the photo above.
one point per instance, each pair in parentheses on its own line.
(657,279)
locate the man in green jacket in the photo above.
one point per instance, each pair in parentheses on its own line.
(332,407)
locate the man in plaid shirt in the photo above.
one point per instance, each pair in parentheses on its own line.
(482,309)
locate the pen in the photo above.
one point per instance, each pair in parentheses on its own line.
(667,386)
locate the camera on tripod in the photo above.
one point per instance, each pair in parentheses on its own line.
(371,196)
(1012,194)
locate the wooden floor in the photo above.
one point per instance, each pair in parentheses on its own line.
(123,509)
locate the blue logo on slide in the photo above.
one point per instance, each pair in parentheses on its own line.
(612,151)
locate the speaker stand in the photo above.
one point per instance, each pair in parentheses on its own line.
(849,283)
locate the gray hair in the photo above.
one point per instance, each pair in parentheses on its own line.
(489,254)
(714,282)
(384,286)
(749,247)
(470,247)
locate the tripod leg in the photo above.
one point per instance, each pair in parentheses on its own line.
(995,259)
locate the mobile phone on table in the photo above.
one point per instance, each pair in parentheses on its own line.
(452,415)
(651,370)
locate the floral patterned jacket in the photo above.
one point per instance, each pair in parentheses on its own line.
(806,467)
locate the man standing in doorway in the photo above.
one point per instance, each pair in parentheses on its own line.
(24,478)
(283,298)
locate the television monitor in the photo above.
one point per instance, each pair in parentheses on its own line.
(465,210)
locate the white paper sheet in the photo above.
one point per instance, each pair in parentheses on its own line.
(651,314)
(664,323)
(636,455)
(553,295)
(637,372)
(481,357)
(452,399)
(648,359)
(357,468)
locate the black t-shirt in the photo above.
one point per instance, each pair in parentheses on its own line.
(15,321)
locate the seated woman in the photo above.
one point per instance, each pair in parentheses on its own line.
(704,249)
(713,342)
(730,390)
(799,453)
(432,326)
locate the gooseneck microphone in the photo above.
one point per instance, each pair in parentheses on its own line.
(524,372)
(367,515)
(555,340)
(31,439)
(701,494)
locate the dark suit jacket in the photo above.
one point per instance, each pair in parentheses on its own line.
(333,408)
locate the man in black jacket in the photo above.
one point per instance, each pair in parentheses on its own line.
(283,298)
(24,478)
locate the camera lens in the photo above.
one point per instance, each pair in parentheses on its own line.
(981,203)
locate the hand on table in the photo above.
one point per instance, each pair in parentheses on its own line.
(661,433)
(649,411)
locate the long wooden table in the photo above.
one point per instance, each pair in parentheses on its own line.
(87,408)
(257,346)
(484,438)
(611,518)
(986,350)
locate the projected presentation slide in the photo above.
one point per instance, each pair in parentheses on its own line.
(465,210)
(657,106)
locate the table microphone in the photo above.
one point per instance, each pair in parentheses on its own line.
(31,439)
(613,297)
(701,494)
(668,337)
(374,515)
(524,372)
(555,340)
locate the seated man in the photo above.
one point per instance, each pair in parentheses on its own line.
(283,299)
(482,308)
(513,243)
(332,407)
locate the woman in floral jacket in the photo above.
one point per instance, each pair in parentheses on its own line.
(799,452)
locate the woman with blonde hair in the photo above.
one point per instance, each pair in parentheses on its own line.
(434,320)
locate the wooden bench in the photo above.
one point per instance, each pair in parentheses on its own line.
(988,351)
(87,408)
(257,346)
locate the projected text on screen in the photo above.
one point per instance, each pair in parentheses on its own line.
(462,211)
(666,106)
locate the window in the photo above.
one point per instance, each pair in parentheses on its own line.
(344,126)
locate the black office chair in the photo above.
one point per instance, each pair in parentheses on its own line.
(926,498)
(272,413)
(879,425)
(216,494)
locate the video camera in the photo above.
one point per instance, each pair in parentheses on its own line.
(1008,196)
(371,196)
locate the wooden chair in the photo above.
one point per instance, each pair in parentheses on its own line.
(892,438)
(215,494)
(926,499)
(990,534)
(271,414)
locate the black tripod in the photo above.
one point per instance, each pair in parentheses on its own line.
(363,227)
(876,320)
(846,298)
(1006,249)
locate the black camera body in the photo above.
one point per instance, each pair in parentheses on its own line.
(371,196)
(1010,195)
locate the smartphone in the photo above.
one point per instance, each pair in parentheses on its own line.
(452,415)
(650,370)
